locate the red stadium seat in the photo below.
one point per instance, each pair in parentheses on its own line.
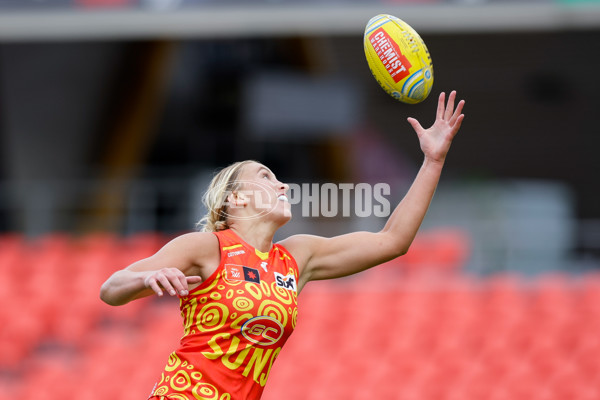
(442,250)
(139,246)
(382,334)
(51,374)
(19,338)
(100,245)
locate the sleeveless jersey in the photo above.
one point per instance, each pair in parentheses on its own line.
(235,324)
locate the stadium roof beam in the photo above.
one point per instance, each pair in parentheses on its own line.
(287,20)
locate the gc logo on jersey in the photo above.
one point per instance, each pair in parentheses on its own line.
(285,281)
(262,330)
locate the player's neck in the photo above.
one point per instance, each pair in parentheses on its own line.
(260,236)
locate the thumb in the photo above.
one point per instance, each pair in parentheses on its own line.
(415,124)
(193,279)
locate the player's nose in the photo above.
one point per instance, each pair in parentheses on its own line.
(283,186)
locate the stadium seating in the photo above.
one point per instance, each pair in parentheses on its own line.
(386,333)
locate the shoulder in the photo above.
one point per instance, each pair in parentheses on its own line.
(195,239)
(193,253)
(301,247)
(198,246)
(299,241)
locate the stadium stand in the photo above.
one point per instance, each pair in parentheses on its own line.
(387,333)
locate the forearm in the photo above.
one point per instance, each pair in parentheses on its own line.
(405,220)
(124,286)
(323,258)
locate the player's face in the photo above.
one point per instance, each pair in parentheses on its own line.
(263,193)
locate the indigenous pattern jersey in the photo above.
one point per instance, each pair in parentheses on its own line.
(235,324)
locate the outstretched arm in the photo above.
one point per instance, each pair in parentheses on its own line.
(327,258)
(435,143)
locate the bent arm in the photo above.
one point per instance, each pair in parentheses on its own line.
(183,261)
(124,286)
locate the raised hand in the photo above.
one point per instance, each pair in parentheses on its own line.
(435,141)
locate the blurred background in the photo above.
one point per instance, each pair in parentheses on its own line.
(115,114)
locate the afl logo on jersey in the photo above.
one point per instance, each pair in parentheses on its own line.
(262,330)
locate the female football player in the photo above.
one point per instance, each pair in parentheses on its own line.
(238,289)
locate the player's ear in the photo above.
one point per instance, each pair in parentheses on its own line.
(237,199)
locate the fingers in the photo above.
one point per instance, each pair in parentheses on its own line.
(415,124)
(193,279)
(447,111)
(457,113)
(171,280)
(441,107)
(458,123)
(450,106)
(150,282)
(181,285)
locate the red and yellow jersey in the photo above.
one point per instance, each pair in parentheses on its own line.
(235,324)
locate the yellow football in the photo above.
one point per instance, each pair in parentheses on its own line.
(398,59)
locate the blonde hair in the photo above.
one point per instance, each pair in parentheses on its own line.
(215,197)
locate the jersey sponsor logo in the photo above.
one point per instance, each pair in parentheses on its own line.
(262,330)
(286,281)
(235,253)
